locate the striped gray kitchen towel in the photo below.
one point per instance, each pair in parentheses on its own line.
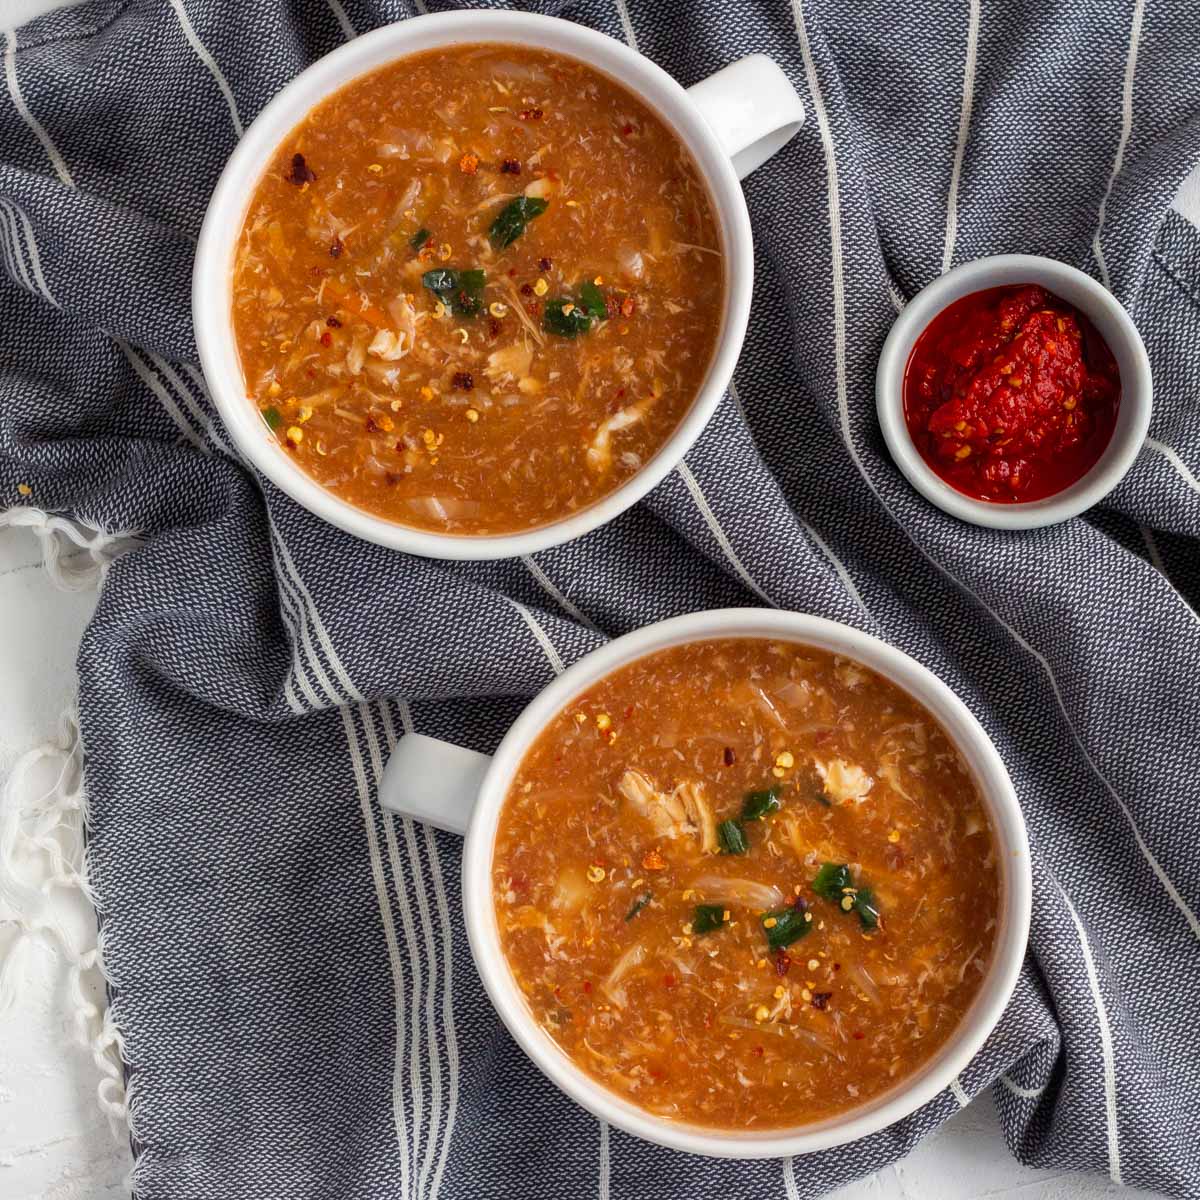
(289,973)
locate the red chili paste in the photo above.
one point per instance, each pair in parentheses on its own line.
(1011,394)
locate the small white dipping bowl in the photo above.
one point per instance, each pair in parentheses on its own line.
(1111,321)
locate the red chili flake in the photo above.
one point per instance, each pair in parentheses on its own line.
(301,172)
(837,966)
(336,247)
(371,426)
(587,987)
(669,980)
(527,289)
(859,1035)
(820,999)
(629,710)
(531,114)
(511,272)
(399,446)
(469,164)
(800,904)
(544,264)
(333,323)
(534,308)
(327,338)
(783,962)
(612,306)
(626,129)
(620,392)
(628,306)
(391,479)
(463,380)
(729,756)
(493,327)
(311,373)
(510,166)
(757,1052)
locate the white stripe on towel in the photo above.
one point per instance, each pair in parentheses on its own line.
(710,519)
(959,1092)
(1106,1046)
(540,635)
(1135,37)
(1022,1093)
(18,99)
(211,63)
(964,130)
(1175,461)
(547,585)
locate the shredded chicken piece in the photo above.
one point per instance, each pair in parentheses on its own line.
(844,781)
(509,362)
(849,673)
(599,454)
(389,346)
(682,812)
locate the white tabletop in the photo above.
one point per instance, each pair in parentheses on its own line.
(54,1142)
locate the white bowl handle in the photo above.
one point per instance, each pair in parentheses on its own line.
(752,108)
(433,781)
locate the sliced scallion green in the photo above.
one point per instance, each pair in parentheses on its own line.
(638,905)
(732,837)
(513,218)
(707,917)
(760,804)
(783,926)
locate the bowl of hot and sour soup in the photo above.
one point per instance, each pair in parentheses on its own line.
(748,884)
(473,283)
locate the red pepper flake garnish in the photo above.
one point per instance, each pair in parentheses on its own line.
(336,247)
(612,306)
(544,264)
(463,381)
(669,980)
(628,710)
(800,904)
(494,327)
(527,289)
(372,427)
(653,860)
(534,308)
(626,129)
(300,173)
(469,164)
(327,338)
(729,756)
(757,1052)
(837,966)
(510,166)
(587,987)
(333,323)
(531,114)
(783,962)
(859,1035)
(628,306)
(820,999)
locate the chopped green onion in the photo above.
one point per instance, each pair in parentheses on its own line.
(831,881)
(760,804)
(591,298)
(732,837)
(460,291)
(565,317)
(419,238)
(867,908)
(787,925)
(707,917)
(834,883)
(638,905)
(513,218)
(272,417)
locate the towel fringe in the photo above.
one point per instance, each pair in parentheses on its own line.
(42,847)
(75,553)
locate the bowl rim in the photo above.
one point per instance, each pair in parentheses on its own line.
(999,798)
(1115,326)
(212,272)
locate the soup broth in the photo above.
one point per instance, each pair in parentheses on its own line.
(746,884)
(477,289)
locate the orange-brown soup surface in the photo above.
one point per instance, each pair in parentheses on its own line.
(746,884)
(477,289)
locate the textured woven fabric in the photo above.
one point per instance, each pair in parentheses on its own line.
(299,1009)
